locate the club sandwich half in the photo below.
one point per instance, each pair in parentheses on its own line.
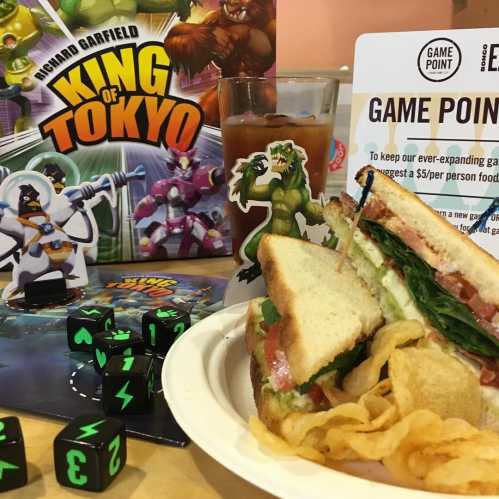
(312,326)
(421,267)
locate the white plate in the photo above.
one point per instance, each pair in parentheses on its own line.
(206,383)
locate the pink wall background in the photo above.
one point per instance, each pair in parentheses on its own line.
(321,34)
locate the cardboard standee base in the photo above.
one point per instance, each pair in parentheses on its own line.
(46,292)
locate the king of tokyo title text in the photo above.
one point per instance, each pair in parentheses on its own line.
(151,286)
(121,93)
(477,110)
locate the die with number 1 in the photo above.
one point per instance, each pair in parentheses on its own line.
(162,326)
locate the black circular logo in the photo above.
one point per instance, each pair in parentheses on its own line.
(439,59)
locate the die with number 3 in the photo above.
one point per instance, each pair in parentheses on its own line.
(90,452)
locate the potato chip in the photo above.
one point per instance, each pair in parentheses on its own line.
(279,445)
(382,410)
(387,339)
(482,445)
(398,467)
(420,450)
(464,475)
(269,439)
(334,395)
(419,422)
(296,426)
(424,378)
(372,412)
(379,444)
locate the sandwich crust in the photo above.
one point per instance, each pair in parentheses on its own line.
(332,212)
(267,405)
(476,265)
(252,318)
(265,401)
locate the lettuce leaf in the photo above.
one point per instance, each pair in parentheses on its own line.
(270,313)
(444,311)
(343,363)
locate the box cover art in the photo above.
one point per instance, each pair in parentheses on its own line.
(110,146)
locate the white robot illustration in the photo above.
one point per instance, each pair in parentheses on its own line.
(46,231)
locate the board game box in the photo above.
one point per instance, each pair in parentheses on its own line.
(117,101)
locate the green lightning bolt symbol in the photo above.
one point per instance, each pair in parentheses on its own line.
(4,465)
(122,394)
(94,311)
(89,429)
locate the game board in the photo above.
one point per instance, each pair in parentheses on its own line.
(40,375)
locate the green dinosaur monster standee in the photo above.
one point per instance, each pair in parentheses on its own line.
(285,195)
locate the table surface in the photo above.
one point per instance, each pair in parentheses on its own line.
(152,470)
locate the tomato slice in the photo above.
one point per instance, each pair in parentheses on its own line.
(280,372)
(272,343)
(280,375)
(484,310)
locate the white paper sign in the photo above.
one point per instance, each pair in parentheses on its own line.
(425,110)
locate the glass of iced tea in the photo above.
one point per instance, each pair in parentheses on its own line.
(276,139)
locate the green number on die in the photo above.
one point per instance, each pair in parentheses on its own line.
(2,435)
(74,458)
(115,461)
(152,330)
(179,328)
(127,363)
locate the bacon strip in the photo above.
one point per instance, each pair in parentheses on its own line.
(466,293)
(348,204)
(375,209)
(489,369)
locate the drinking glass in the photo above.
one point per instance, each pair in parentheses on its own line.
(296,114)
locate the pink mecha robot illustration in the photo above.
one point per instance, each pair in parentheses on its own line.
(179,194)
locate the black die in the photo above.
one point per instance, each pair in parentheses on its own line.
(90,452)
(128,385)
(13,470)
(116,342)
(84,323)
(162,326)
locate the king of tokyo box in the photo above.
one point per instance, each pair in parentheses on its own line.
(110,144)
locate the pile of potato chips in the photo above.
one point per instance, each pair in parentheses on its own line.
(421,421)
